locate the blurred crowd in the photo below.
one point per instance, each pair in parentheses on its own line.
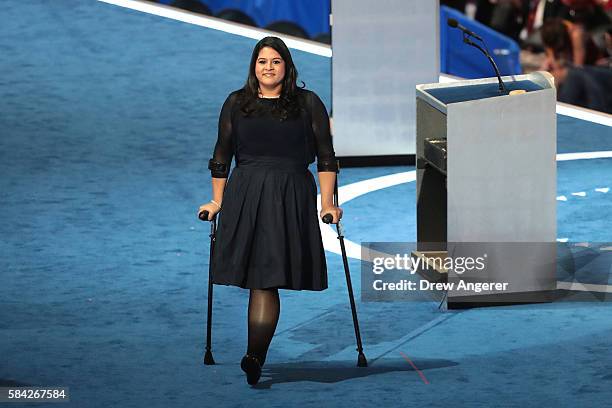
(571,39)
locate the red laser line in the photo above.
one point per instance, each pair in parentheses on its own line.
(415,367)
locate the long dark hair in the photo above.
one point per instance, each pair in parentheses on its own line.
(287,105)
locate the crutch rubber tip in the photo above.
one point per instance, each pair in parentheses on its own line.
(361,360)
(208,358)
(328,218)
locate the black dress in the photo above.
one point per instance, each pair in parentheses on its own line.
(268,234)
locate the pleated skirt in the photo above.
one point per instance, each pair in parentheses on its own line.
(268,232)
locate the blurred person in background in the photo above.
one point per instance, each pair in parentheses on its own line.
(569,53)
(507,17)
(567,41)
(589,13)
(606,60)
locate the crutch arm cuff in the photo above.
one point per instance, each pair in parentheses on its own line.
(330,164)
(218,169)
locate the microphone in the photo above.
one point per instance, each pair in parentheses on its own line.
(455,24)
(466,34)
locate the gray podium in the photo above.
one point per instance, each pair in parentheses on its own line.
(486,184)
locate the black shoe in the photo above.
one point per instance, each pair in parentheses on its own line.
(251,366)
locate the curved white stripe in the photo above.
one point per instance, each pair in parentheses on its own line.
(220,24)
(354,190)
(349,192)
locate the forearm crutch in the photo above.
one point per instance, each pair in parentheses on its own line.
(328,218)
(208,357)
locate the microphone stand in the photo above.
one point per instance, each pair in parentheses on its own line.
(466,39)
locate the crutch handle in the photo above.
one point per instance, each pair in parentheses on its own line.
(328,218)
(203,216)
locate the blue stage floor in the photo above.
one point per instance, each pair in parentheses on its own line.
(108,119)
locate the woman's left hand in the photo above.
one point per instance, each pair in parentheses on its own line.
(336,213)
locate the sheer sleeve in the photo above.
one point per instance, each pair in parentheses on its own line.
(326,157)
(221,161)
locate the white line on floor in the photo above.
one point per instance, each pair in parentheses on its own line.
(605,154)
(584,114)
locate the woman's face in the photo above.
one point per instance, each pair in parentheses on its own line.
(269,68)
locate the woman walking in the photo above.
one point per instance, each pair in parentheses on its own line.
(268,236)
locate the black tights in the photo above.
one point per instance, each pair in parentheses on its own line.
(264,309)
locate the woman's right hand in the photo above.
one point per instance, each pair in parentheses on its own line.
(212,209)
